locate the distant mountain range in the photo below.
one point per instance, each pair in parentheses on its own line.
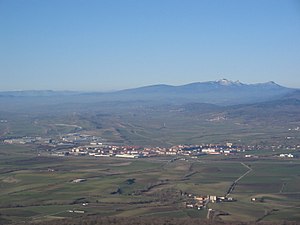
(221,92)
(231,103)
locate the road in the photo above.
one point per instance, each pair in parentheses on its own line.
(231,188)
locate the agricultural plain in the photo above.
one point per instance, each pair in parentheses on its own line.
(38,187)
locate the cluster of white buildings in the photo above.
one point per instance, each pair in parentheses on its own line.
(100,150)
(286,155)
(200,202)
(28,140)
(83,144)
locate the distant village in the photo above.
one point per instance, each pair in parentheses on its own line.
(87,145)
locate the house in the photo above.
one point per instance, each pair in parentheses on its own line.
(212,198)
(209,150)
(78,180)
(128,156)
(189,206)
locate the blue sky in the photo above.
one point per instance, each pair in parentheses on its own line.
(114,44)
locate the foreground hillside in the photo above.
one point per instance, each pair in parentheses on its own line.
(150,221)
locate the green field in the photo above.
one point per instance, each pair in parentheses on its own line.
(37,188)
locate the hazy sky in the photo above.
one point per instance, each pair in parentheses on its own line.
(116,44)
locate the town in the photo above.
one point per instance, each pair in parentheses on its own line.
(77,144)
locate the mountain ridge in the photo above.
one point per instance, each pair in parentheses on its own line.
(219,92)
(222,82)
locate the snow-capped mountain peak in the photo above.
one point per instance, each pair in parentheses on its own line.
(226,82)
